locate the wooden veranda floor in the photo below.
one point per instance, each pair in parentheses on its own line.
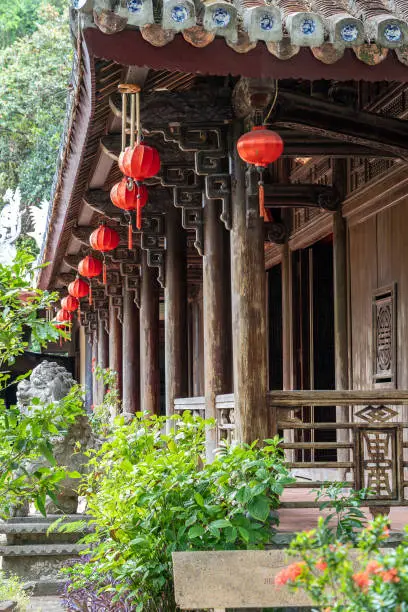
(299,519)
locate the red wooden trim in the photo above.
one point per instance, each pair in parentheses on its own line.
(129,48)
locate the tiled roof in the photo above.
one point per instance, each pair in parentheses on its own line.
(373,28)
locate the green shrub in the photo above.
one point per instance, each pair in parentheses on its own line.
(152,493)
(11,589)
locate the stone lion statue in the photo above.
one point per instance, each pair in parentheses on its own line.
(50,382)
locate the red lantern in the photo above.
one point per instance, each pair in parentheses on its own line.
(90,267)
(70,303)
(260,147)
(140,162)
(104,239)
(63,317)
(130,195)
(78,288)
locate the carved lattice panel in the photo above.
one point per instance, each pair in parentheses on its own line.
(384,336)
(379,461)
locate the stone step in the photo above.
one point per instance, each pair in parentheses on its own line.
(45,588)
(37,523)
(41,550)
(26,528)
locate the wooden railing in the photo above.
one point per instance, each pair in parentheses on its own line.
(370,448)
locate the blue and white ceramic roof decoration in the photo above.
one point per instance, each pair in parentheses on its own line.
(316,24)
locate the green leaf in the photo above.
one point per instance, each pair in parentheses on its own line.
(259,508)
(199,499)
(220,523)
(244,533)
(195,532)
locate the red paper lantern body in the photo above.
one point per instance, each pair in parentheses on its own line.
(140,162)
(70,303)
(63,316)
(78,288)
(127,198)
(90,267)
(260,147)
(104,239)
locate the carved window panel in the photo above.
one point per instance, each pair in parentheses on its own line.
(384,335)
(378,465)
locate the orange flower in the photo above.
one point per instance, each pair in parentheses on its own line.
(390,575)
(373,567)
(362,580)
(321,565)
(386,532)
(289,574)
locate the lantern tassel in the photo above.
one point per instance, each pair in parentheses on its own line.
(261,191)
(130,235)
(90,294)
(104,273)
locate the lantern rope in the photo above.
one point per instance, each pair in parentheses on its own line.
(273,102)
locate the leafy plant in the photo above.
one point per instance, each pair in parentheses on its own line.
(345,517)
(371,579)
(21,324)
(152,493)
(35,65)
(103,414)
(28,438)
(11,589)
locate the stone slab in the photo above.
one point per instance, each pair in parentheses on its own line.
(232,579)
(7,606)
(34,550)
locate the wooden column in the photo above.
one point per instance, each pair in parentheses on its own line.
(340,302)
(115,345)
(248,298)
(176,346)
(217,320)
(131,355)
(149,340)
(103,356)
(88,373)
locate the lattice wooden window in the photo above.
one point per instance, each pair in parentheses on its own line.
(384,335)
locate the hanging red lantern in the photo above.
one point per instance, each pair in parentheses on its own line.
(130,195)
(260,147)
(63,320)
(104,239)
(78,288)
(90,267)
(140,161)
(63,317)
(70,303)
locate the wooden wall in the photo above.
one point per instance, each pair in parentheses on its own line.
(378,257)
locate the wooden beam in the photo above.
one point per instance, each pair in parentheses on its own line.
(297,144)
(115,345)
(149,340)
(248,297)
(285,195)
(130,355)
(327,119)
(103,355)
(217,319)
(201,105)
(175,311)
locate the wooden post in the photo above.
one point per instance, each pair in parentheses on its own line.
(248,298)
(176,347)
(115,345)
(340,303)
(149,340)
(88,374)
(131,355)
(103,356)
(217,321)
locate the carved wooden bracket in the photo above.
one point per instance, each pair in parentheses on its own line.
(302,196)
(190,200)
(131,273)
(218,187)
(153,242)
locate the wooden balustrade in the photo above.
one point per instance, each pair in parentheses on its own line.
(374,450)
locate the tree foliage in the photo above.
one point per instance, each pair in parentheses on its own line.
(34,81)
